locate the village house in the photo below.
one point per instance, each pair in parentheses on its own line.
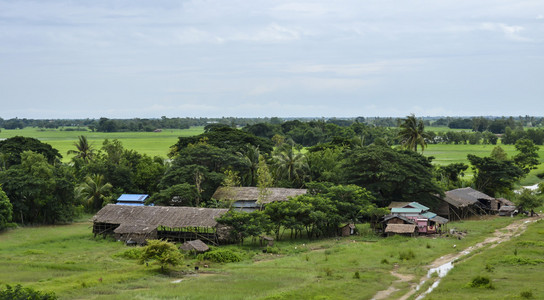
(462,203)
(414,213)
(249,199)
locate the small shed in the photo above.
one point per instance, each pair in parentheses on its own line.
(465,202)
(507,210)
(347,230)
(401,229)
(196,246)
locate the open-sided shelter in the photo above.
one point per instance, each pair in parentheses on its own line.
(249,199)
(139,223)
(464,202)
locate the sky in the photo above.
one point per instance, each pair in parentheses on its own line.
(252,58)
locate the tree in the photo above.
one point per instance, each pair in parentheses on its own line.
(20,293)
(250,155)
(527,200)
(12,148)
(95,191)
(163,252)
(391,175)
(498,153)
(243,224)
(290,165)
(6,210)
(412,133)
(85,151)
(527,159)
(264,180)
(494,176)
(39,192)
(183,194)
(449,175)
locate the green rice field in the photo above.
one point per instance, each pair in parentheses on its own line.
(151,143)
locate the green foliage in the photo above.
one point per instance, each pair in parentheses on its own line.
(518,260)
(412,133)
(39,192)
(163,252)
(94,192)
(6,210)
(391,175)
(243,224)
(133,253)
(527,200)
(526,294)
(12,149)
(481,282)
(221,256)
(494,176)
(20,293)
(407,254)
(527,159)
(290,166)
(183,194)
(272,250)
(498,153)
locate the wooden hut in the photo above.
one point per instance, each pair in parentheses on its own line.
(464,202)
(247,198)
(196,246)
(139,223)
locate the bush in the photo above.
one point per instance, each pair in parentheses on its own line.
(221,256)
(526,294)
(406,255)
(133,253)
(516,260)
(481,282)
(272,250)
(20,293)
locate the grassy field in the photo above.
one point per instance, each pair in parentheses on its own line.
(449,153)
(151,143)
(514,270)
(70,262)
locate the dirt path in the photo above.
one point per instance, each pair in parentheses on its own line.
(443,264)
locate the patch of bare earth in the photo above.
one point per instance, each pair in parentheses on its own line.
(499,236)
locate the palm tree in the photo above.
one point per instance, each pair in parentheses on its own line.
(290,165)
(250,156)
(412,133)
(84,150)
(94,191)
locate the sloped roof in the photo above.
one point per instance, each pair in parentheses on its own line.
(506,202)
(252,194)
(428,215)
(440,220)
(396,204)
(402,210)
(417,205)
(400,228)
(154,216)
(405,219)
(464,197)
(133,197)
(135,228)
(196,245)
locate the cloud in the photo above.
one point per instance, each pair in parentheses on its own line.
(510,32)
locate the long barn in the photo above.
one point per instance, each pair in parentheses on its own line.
(136,224)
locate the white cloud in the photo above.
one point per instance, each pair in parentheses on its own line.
(510,32)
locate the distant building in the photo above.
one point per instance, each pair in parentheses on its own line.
(246,198)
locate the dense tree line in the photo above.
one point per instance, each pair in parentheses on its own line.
(352,169)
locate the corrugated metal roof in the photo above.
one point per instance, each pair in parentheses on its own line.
(417,205)
(428,215)
(133,197)
(401,210)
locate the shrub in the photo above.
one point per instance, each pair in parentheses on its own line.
(220,256)
(19,292)
(357,275)
(406,255)
(481,282)
(516,260)
(272,250)
(133,253)
(385,261)
(526,294)
(162,252)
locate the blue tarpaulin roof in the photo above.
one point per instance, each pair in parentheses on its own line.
(401,210)
(132,198)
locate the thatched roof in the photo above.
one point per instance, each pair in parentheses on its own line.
(135,228)
(252,194)
(401,217)
(196,245)
(465,196)
(140,217)
(440,220)
(400,228)
(506,202)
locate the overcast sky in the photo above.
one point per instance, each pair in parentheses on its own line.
(251,58)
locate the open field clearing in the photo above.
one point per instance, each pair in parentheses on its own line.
(69,261)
